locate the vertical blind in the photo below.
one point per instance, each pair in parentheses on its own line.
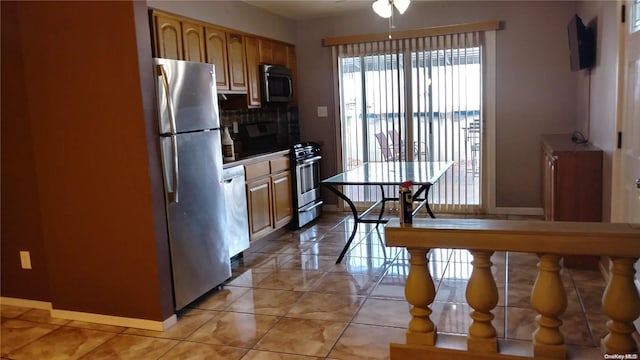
(415,99)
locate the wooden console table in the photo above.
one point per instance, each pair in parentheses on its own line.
(571,185)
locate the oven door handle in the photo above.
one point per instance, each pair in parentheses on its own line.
(311,207)
(310,160)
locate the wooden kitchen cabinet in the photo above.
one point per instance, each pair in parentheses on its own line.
(216,50)
(265,51)
(281,199)
(279,54)
(253,73)
(236,55)
(193,41)
(237,69)
(272,52)
(268,196)
(176,38)
(281,180)
(226,51)
(259,198)
(571,185)
(168,36)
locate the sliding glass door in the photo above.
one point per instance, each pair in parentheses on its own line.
(415,100)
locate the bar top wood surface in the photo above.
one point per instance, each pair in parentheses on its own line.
(556,237)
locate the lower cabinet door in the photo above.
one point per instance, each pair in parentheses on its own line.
(259,206)
(281,198)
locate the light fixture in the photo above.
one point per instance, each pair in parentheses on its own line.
(384,8)
(401,5)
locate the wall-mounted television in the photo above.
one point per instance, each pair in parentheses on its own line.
(581,44)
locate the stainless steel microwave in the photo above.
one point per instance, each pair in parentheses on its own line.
(276,84)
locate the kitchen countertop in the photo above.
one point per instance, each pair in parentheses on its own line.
(255,158)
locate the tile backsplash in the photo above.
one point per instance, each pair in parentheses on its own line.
(282,121)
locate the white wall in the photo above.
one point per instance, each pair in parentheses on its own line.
(598,119)
(235,15)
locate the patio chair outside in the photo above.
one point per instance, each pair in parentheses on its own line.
(388,152)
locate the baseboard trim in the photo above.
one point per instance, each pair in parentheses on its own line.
(90,317)
(517,211)
(116,320)
(35,304)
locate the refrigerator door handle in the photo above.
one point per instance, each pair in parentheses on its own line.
(176,172)
(165,84)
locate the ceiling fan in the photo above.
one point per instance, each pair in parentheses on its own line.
(384,8)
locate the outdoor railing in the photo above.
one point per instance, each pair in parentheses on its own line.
(550,241)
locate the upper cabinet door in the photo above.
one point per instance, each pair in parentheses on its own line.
(168,37)
(292,64)
(272,52)
(237,69)
(266,51)
(253,59)
(216,45)
(279,54)
(193,41)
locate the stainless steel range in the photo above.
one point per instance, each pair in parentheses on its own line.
(305,173)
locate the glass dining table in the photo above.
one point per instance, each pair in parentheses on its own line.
(423,174)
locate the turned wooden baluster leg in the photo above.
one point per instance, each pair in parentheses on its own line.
(482,296)
(621,303)
(420,292)
(549,299)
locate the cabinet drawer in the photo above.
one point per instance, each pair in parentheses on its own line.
(256,170)
(279,164)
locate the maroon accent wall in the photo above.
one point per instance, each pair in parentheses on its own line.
(87,86)
(147,85)
(21,228)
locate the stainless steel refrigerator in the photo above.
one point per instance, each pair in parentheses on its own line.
(192,165)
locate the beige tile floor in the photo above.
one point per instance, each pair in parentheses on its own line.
(289,300)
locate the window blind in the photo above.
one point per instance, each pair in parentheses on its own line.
(415,99)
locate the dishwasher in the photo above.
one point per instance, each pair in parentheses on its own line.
(237,234)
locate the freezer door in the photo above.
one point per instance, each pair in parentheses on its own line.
(187,96)
(197,221)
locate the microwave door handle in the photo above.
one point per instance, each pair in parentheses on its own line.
(165,84)
(265,86)
(290,87)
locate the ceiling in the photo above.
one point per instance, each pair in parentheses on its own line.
(310,9)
